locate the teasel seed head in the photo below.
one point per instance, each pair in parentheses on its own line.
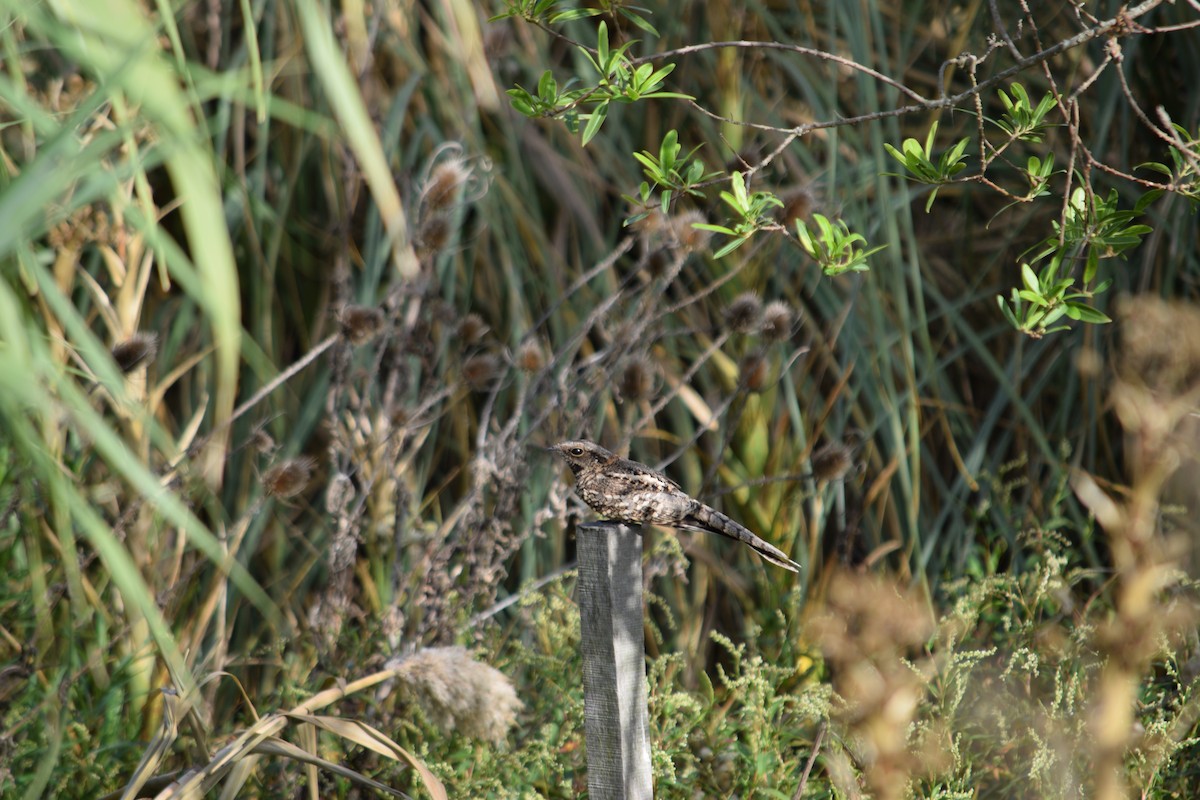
(135,351)
(637,379)
(755,371)
(479,371)
(832,461)
(690,238)
(360,324)
(432,236)
(744,314)
(289,478)
(445,185)
(531,357)
(472,329)
(777,321)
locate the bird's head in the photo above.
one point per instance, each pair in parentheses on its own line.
(581,455)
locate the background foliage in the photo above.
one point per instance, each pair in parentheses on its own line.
(292,294)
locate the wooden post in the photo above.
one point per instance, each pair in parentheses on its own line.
(616,720)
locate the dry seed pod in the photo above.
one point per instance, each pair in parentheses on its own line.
(360,323)
(479,371)
(444,185)
(744,314)
(289,478)
(136,350)
(832,462)
(432,235)
(472,329)
(755,372)
(690,238)
(530,357)
(777,321)
(637,379)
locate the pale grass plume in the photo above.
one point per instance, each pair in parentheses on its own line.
(459,693)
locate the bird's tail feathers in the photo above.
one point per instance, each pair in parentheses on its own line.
(712,521)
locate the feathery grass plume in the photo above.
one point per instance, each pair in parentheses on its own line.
(459,693)
(360,324)
(135,351)
(479,371)
(831,462)
(637,379)
(778,319)
(755,371)
(530,356)
(472,329)
(289,478)
(744,314)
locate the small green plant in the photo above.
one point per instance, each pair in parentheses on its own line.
(620,81)
(751,209)
(832,246)
(918,160)
(1038,172)
(1045,300)
(1022,120)
(670,173)
(538,11)
(1093,228)
(1184,171)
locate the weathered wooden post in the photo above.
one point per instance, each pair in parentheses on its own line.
(616,720)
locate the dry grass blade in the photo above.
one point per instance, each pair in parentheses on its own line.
(371,738)
(158,747)
(279,747)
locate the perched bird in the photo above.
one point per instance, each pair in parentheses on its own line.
(629,492)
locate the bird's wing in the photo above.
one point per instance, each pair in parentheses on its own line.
(641,475)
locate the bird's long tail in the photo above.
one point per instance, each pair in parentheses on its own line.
(704,518)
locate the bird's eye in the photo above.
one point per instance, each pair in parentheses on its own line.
(576,451)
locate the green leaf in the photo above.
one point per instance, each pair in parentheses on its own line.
(1085,313)
(547,86)
(706,226)
(1030,278)
(640,22)
(1093,263)
(602,48)
(729,247)
(595,120)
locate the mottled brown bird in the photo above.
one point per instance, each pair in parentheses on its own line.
(629,492)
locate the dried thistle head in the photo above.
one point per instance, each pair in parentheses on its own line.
(472,329)
(754,371)
(778,320)
(531,357)
(288,478)
(832,461)
(360,324)
(445,184)
(432,235)
(688,237)
(460,693)
(481,370)
(138,349)
(637,379)
(744,314)
(798,206)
